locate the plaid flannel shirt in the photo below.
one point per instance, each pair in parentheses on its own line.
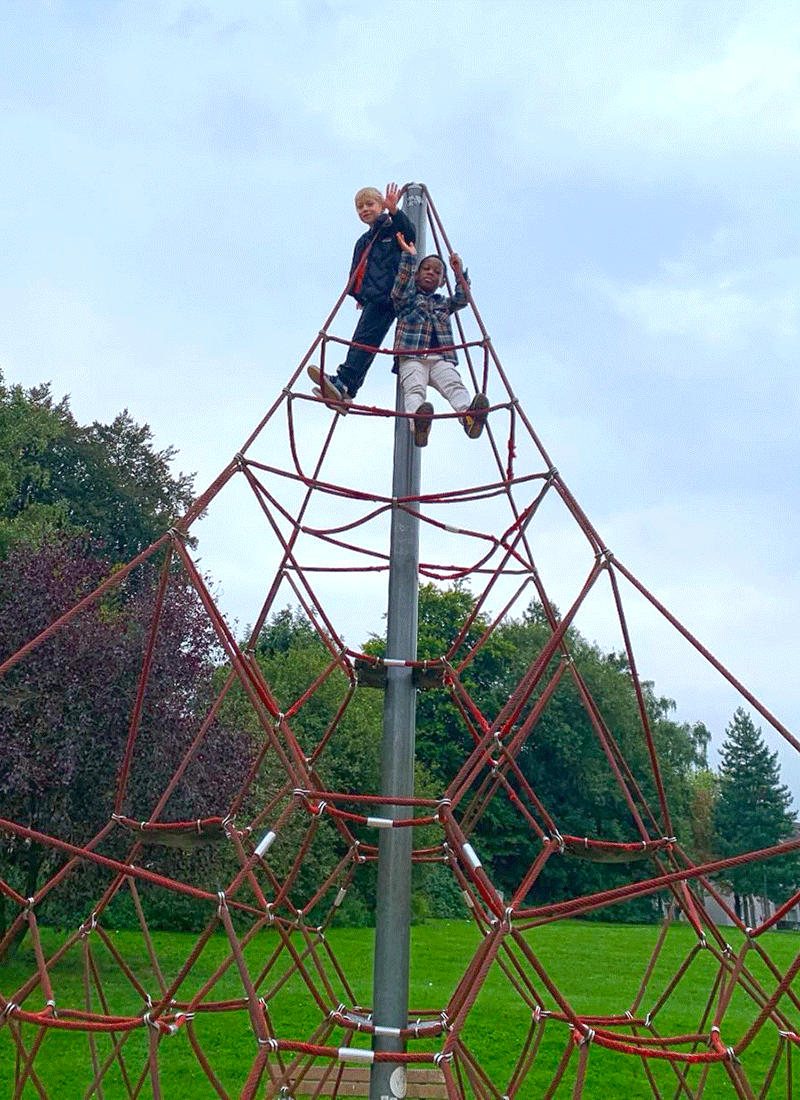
(419,315)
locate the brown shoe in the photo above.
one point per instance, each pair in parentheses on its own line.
(475,416)
(422,423)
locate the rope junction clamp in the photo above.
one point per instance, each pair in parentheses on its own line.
(265,844)
(472,856)
(83,932)
(355,1054)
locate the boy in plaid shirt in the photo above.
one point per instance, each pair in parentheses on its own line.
(424,342)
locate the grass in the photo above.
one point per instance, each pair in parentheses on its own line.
(597,967)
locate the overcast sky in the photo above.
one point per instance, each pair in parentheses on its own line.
(621,178)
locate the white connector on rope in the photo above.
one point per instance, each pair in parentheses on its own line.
(355,1054)
(472,857)
(380,822)
(394,1031)
(265,843)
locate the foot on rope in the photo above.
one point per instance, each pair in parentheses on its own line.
(329,389)
(422,423)
(475,416)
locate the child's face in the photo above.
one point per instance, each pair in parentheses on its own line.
(430,274)
(369,209)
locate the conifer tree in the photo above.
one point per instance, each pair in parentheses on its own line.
(752,812)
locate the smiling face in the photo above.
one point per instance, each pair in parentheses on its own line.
(430,274)
(369,209)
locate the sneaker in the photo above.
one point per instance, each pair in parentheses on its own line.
(422,423)
(338,404)
(475,416)
(329,388)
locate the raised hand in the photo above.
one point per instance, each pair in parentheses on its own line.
(390,199)
(407,246)
(455,262)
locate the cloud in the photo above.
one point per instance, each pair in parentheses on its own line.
(710,311)
(621,177)
(189,19)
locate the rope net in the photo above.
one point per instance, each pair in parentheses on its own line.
(299,1013)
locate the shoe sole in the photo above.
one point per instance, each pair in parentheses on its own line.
(326,390)
(422,424)
(475,416)
(334,403)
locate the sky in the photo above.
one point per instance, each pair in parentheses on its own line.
(620,177)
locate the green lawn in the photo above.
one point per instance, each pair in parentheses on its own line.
(597,967)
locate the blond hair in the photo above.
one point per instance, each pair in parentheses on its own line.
(369,193)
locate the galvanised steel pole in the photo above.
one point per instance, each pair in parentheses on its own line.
(393,910)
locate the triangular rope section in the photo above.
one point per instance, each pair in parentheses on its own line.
(295,842)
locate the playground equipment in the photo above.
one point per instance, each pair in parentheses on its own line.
(481,523)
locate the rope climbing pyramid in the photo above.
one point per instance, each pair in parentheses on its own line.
(296,837)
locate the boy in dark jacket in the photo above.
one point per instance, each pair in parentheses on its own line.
(423,343)
(376,258)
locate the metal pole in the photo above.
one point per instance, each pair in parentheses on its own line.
(393,909)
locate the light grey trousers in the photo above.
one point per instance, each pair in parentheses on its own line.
(417,374)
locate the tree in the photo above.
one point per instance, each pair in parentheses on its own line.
(65,711)
(704,786)
(752,812)
(104,480)
(29,425)
(562,759)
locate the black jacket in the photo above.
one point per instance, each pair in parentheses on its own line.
(384,257)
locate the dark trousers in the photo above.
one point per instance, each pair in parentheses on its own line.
(373,324)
